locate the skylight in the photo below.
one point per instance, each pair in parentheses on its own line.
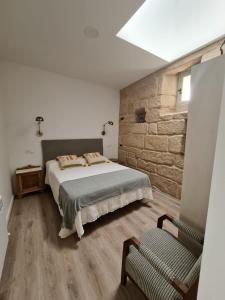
(171,29)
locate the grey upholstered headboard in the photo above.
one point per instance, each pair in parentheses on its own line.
(53,148)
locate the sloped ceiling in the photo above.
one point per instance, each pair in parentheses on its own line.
(49,34)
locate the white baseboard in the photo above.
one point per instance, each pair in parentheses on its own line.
(9,209)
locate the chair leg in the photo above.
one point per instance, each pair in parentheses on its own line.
(123,269)
(123,278)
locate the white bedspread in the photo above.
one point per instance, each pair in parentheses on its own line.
(55,176)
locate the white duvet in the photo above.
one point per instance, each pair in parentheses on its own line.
(55,176)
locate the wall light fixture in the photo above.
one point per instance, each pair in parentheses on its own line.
(107,123)
(39,119)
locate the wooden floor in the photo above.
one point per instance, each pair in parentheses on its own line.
(41,266)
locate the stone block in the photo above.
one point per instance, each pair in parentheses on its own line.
(158,80)
(124,129)
(154,102)
(132,161)
(123,119)
(128,92)
(122,156)
(120,140)
(140,103)
(165,185)
(135,104)
(131,154)
(168,101)
(179,161)
(152,128)
(179,191)
(139,128)
(124,106)
(166,117)
(157,143)
(177,144)
(181,115)
(173,115)
(172,127)
(164,158)
(134,140)
(136,151)
(143,171)
(131,118)
(170,172)
(147,87)
(130,107)
(123,93)
(153,115)
(148,166)
(169,85)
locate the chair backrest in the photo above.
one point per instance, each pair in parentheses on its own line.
(194,273)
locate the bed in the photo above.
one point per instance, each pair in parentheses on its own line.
(99,189)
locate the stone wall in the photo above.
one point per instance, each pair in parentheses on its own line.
(157,146)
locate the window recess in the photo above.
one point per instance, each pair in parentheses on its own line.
(184,87)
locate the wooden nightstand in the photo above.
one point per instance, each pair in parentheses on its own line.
(29,180)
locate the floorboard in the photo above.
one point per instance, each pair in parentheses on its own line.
(41,266)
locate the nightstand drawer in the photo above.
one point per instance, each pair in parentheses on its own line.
(28,181)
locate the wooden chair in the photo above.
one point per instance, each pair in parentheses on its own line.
(160,264)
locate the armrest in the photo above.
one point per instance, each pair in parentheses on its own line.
(131,242)
(162,218)
(190,232)
(157,263)
(126,245)
(163,269)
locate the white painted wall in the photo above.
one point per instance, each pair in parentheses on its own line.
(211,285)
(5,181)
(71,109)
(204,110)
(5,189)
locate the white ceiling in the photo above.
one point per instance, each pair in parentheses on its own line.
(171,29)
(48,34)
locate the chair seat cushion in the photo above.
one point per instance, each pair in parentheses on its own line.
(168,249)
(151,282)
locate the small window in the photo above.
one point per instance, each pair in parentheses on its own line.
(184,87)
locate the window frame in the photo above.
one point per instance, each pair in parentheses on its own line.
(181,76)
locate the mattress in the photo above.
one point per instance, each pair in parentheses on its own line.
(55,176)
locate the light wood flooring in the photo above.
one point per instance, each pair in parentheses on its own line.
(41,266)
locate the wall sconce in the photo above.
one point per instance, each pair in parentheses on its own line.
(39,120)
(107,123)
